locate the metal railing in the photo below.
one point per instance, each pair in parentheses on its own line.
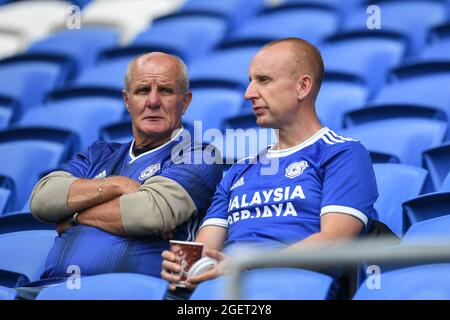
(380,251)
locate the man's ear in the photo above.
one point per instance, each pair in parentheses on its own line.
(125,98)
(187,100)
(304,86)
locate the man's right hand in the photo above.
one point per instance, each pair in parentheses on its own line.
(170,269)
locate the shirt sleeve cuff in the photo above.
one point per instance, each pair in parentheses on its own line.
(346,210)
(215,222)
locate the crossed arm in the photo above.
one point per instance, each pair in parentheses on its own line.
(333,227)
(123,206)
(96,200)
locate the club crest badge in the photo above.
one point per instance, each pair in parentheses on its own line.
(149,171)
(295,169)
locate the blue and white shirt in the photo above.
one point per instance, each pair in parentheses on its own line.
(96,251)
(277,197)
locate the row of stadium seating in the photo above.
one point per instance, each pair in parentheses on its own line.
(91,57)
(25,253)
(246,19)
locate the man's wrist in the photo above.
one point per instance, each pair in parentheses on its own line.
(100,190)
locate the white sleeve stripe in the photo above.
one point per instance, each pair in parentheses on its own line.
(340,137)
(347,210)
(333,138)
(215,222)
(324,138)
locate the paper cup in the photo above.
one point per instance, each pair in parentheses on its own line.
(187,253)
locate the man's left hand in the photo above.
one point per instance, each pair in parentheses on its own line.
(219,270)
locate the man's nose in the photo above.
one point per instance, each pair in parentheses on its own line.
(153,99)
(250,93)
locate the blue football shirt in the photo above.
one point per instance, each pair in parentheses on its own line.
(277,197)
(96,251)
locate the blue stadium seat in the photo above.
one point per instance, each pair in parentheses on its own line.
(429,205)
(437,162)
(176,33)
(230,64)
(212,104)
(417,84)
(81,45)
(384,111)
(47,148)
(120,132)
(290,20)
(113,286)
(7,194)
(5,200)
(339,93)
(270,284)
(9,111)
(341,6)
(25,253)
(7,293)
(109,74)
(424,282)
(26,79)
(365,54)
(404,17)
(82,116)
(22,221)
(438,47)
(235,11)
(399,140)
(434,231)
(396,183)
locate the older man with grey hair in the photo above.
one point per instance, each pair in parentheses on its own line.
(114,204)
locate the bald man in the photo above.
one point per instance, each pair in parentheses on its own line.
(114,203)
(324,188)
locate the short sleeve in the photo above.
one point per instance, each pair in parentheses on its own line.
(349,184)
(82,162)
(79,165)
(217,214)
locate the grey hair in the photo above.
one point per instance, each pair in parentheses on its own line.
(183,78)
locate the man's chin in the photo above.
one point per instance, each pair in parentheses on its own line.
(263,123)
(154,130)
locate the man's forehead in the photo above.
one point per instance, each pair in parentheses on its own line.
(271,61)
(159,69)
(157,65)
(154,78)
